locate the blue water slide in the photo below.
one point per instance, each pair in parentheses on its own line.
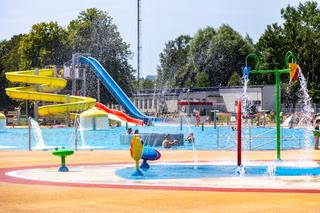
(114,89)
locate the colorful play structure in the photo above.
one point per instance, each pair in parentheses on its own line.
(119,115)
(62,153)
(292,69)
(93,119)
(151,154)
(138,151)
(46,83)
(114,88)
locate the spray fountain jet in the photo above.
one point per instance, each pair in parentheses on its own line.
(289,55)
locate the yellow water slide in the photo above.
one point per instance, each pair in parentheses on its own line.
(44,85)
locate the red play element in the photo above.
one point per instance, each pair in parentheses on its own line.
(119,114)
(159,155)
(183,103)
(294,71)
(239,133)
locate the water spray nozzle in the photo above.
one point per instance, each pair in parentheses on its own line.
(245,71)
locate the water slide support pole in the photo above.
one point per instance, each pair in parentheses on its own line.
(239,133)
(98,89)
(36,88)
(84,85)
(215,119)
(76,132)
(68,113)
(29,134)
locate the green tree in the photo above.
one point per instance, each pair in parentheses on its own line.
(314,92)
(202,79)
(227,52)
(46,44)
(93,32)
(198,58)
(9,61)
(299,33)
(147,84)
(215,54)
(234,80)
(172,59)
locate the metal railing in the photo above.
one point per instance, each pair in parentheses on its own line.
(250,141)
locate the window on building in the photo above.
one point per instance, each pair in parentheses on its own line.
(145,103)
(141,105)
(257,102)
(155,103)
(150,103)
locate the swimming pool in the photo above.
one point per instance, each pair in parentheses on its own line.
(222,138)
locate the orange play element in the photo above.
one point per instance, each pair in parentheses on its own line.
(294,71)
(136,149)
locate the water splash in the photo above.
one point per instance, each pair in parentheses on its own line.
(240,170)
(271,170)
(83,142)
(37,133)
(307,110)
(244,124)
(187,120)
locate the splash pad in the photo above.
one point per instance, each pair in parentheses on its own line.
(209,176)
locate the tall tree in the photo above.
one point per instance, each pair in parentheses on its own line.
(234,80)
(172,59)
(9,61)
(46,44)
(300,33)
(227,52)
(93,32)
(198,59)
(213,56)
(147,84)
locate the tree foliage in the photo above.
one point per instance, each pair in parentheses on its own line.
(46,44)
(9,61)
(212,57)
(172,59)
(50,44)
(93,32)
(299,33)
(234,80)
(147,84)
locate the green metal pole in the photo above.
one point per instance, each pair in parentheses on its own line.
(63,160)
(278,112)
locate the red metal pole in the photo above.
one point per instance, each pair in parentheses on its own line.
(239,133)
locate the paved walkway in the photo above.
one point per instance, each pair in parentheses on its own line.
(34,197)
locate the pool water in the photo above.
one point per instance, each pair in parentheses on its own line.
(181,171)
(222,138)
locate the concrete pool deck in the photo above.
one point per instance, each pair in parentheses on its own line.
(36,197)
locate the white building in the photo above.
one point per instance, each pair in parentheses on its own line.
(223,99)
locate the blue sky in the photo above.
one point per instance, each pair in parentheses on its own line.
(162,20)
